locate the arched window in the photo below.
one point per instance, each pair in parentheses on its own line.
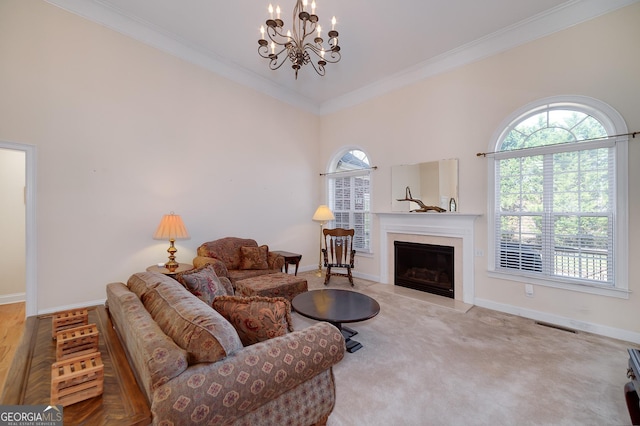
(559,202)
(349,183)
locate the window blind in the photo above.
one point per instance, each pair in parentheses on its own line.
(555,213)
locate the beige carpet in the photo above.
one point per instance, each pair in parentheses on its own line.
(424,364)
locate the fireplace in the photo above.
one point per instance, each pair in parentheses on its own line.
(445,229)
(424,267)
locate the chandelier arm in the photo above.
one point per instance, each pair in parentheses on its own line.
(330,56)
(308,28)
(273,63)
(277,37)
(333,57)
(318,67)
(333,42)
(265,51)
(276,60)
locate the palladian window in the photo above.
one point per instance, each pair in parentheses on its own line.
(558,215)
(349,183)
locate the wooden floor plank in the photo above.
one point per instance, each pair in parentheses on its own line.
(29,379)
(12,323)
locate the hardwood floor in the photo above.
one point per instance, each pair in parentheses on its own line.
(12,321)
(122,402)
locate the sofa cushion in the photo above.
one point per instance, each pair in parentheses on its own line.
(204,283)
(140,282)
(254,257)
(156,357)
(194,326)
(256,318)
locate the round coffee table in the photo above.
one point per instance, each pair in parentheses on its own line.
(337,307)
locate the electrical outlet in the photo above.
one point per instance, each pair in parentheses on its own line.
(479,253)
(528,290)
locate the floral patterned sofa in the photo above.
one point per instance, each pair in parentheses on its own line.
(238,258)
(196,367)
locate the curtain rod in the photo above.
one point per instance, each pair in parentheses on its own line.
(632,134)
(348,171)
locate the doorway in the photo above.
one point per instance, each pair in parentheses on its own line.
(17,255)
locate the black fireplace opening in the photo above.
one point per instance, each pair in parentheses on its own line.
(424,267)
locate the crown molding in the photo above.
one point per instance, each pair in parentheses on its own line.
(151,35)
(554,20)
(541,25)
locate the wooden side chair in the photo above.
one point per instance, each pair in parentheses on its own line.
(338,252)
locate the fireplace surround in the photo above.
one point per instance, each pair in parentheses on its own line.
(446,229)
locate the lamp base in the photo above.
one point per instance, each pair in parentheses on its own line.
(172,265)
(318,273)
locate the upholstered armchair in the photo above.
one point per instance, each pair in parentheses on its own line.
(238,258)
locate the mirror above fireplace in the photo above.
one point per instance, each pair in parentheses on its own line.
(435,183)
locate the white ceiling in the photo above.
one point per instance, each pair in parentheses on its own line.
(385,44)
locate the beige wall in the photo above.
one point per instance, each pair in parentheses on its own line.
(125,133)
(455,115)
(12,225)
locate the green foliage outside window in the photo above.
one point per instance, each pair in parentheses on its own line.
(555,205)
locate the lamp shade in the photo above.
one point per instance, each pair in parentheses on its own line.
(323,214)
(171,228)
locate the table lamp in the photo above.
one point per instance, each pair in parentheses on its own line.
(323,215)
(171,228)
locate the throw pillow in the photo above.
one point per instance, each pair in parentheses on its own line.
(256,318)
(254,257)
(204,283)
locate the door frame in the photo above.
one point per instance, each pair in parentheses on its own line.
(31,305)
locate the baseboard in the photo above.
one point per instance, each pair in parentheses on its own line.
(13,298)
(602,330)
(73,306)
(374,278)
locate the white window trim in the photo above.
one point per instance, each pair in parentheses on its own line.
(614,124)
(330,166)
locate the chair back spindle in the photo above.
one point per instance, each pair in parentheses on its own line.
(338,252)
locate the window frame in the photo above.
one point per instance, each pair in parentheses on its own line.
(614,125)
(332,173)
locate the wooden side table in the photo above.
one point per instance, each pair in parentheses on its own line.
(182,267)
(289,259)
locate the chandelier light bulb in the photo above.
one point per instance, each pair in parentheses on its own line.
(333,23)
(289,34)
(262,32)
(270,10)
(273,48)
(278,12)
(313,7)
(304,3)
(319,30)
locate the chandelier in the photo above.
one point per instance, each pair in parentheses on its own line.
(303,44)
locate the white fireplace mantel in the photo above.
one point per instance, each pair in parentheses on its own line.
(447,225)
